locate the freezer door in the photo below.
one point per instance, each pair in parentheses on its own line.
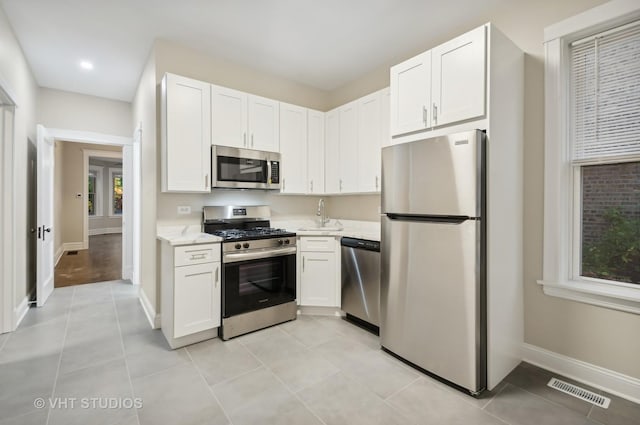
(438,176)
(431,298)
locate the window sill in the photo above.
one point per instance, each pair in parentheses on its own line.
(95,216)
(601,294)
(115,216)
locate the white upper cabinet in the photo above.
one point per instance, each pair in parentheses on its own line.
(369,142)
(411,94)
(315,151)
(332,152)
(293,148)
(228,117)
(243,120)
(185,135)
(348,148)
(458,78)
(263,126)
(385,116)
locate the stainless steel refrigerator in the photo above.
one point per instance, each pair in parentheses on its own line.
(433,287)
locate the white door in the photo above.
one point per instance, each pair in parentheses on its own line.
(293,148)
(318,286)
(315,151)
(411,94)
(348,147)
(369,142)
(263,124)
(45,231)
(332,152)
(127,212)
(459,78)
(228,117)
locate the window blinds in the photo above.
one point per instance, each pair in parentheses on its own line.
(605,92)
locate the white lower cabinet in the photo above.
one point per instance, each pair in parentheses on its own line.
(319,278)
(191,295)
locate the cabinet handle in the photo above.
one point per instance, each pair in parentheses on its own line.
(198,256)
(303,263)
(340,185)
(251,139)
(284,184)
(244,139)
(424,114)
(311,189)
(216,281)
(435,113)
(376,182)
(206,181)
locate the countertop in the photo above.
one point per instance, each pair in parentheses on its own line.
(185,235)
(369,230)
(192,234)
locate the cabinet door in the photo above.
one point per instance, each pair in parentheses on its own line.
(196,298)
(369,142)
(315,149)
(459,78)
(318,287)
(385,116)
(293,148)
(411,94)
(263,124)
(228,117)
(186,135)
(348,148)
(332,152)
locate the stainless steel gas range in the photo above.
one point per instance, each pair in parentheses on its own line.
(258,268)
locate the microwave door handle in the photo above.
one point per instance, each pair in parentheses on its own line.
(268,171)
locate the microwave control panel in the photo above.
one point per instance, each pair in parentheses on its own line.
(275,172)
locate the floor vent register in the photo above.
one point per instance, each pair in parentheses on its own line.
(580,393)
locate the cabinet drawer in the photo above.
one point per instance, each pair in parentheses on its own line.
(323,243)
(196,254)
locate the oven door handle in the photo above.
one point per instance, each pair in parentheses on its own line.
(244,256)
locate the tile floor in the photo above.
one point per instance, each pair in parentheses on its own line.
(92,344)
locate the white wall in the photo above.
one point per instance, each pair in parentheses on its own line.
(73,111)
(17,78)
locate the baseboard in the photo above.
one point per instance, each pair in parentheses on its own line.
(72,246)
(106,231)
(149,310)
(608,380)
(58,255)
(20,311)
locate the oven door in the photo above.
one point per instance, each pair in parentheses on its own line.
(244,168)
(256,283)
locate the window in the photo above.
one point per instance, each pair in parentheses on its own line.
(116,191)
(94,191)
(592,158)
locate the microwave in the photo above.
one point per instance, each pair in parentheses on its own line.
(236,168)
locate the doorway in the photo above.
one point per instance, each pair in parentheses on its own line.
(89,192)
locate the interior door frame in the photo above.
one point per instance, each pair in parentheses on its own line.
(130,145)
(8,106)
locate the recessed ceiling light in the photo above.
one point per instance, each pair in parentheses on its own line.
(86,65)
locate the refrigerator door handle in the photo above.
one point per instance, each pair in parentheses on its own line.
(452,219)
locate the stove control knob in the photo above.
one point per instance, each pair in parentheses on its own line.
(238,246)
(280,242)
(287,241)
(245,245)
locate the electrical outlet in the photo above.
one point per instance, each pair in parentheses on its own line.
(184,210)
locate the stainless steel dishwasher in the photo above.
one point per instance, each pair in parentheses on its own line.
(361,281)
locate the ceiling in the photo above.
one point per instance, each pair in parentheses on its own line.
(320,43)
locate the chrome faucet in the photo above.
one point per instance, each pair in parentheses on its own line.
(322,214)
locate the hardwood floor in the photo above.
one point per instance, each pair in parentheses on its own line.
(101,262)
